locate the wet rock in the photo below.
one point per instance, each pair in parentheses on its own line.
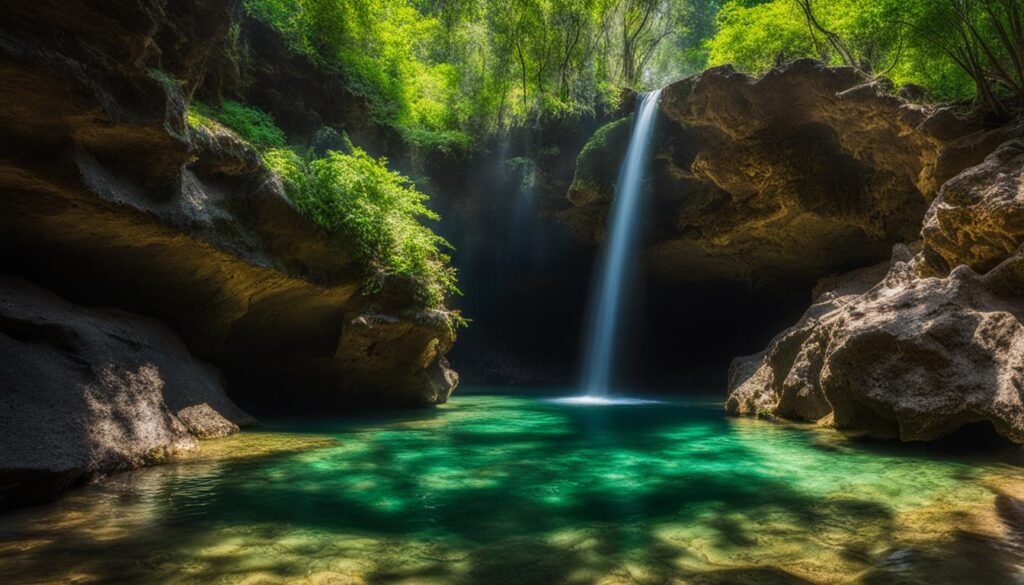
(86,392)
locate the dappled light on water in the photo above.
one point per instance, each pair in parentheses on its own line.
(512,489)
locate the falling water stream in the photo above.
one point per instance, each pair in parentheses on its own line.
(621,245)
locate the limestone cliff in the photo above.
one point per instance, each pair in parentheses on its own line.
(787,177)
(108,197)
(810,171)
(927,350)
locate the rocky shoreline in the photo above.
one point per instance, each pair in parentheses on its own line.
(927,350)
(109,198)
(799,176)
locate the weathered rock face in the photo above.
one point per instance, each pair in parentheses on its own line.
(803,172)
(925,351)
(301,96)
(87,392)
(109,198)
(978,218)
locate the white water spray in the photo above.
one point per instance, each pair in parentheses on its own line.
(620,249)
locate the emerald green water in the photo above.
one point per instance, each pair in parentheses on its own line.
(517,489)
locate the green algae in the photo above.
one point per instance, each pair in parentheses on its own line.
(517,489)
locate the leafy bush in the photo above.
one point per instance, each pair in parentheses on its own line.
(378,210)
(387,52)
(354,195)
(254,125)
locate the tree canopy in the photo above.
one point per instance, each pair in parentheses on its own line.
(956,49)
(444,72)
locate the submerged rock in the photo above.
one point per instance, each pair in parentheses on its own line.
(86,392)
(925,351)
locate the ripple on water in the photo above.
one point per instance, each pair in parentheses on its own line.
(513,489)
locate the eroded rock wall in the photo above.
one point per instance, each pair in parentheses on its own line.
(927,350)
(108,197)
(806,171)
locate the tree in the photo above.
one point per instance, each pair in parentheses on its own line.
(643,25)
(985,39)
(814,25)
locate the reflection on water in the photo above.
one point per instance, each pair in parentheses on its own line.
(493,489)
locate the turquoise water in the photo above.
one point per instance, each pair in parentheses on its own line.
(519,489)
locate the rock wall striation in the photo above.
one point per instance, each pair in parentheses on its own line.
(110,198)
(933,346)
(785,178)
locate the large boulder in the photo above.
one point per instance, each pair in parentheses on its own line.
(91,391)
(978,218)
(806,171)
(110,198)
(926,351)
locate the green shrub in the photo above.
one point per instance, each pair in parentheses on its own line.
(254,125)
(353,195)
(378,210)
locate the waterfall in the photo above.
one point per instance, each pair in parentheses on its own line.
(620,248)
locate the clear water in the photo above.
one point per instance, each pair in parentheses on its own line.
(619,253)
(520,489)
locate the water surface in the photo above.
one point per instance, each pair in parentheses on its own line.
(520,489)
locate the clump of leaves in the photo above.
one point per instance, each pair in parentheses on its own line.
(251,123)
(354,195)
(378,210)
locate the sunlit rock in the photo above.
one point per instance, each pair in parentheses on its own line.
(978,218)
(108,197)
(88,391)
(803,172)
(915,357)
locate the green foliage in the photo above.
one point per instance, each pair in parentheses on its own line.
(594,174)
(254,125)
(378,210)
(387,51)
(604,137)
(750,37)
(953,48)
(199,120)
(444,73)
(355,196)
